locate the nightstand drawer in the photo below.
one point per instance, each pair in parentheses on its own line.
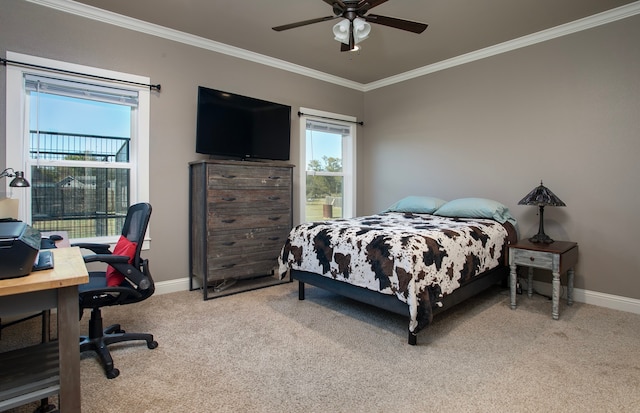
(538,259)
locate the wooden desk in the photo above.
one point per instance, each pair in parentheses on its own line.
(39,291)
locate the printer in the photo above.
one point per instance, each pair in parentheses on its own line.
(19,247)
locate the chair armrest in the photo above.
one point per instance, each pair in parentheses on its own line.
(142,279)
(106,258)
(121,263)
(96,248)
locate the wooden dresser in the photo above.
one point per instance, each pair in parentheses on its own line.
(240,217)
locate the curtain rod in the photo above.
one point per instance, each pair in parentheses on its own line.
(324,117)
(53,69)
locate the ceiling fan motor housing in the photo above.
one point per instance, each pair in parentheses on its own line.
(355,27)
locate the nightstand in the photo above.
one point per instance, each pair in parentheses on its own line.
(558,257)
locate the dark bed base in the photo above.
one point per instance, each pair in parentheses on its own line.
(391,303)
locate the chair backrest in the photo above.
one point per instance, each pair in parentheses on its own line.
(135,227)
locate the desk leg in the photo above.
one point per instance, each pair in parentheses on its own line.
(530,283)
(69,349)
(555,295)
(570,275)
(513,283)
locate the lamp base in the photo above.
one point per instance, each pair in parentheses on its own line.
(541,238)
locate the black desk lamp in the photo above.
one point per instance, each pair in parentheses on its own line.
(541,196)
(18,181)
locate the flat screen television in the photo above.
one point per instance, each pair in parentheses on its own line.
(239,127)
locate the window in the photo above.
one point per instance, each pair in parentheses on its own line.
(83,145)
(328,153)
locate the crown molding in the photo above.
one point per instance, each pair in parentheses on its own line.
(534,38)
(104,16)
(94,13)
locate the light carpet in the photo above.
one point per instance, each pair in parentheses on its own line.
(266,351)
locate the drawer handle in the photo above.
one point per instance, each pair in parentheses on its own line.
(273,198)
(229,199)
(228,221)
(228,265)
(228,243)
(532,259)
(274,177)
(274,238)
(228,176)
(274,218)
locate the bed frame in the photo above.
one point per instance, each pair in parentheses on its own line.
(391,303)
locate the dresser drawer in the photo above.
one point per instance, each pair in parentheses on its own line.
(537,259)
(252,266)
(250,199)
(226,221)
(231,243)
(232,176)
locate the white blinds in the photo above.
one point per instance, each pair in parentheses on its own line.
(107,94)
(324,126)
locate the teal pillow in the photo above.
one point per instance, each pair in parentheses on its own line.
(476,208)
(417,204)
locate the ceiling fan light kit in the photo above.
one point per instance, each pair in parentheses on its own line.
(341,31)
(361,30)
(355,27)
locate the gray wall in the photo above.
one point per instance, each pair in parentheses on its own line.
(566,111)
(41,31)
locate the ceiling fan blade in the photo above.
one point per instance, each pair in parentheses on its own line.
(372,3)
(407,25)
(303,23)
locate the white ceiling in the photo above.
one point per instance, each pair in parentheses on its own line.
(456,27)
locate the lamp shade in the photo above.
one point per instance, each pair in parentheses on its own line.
(541,196)
(341,31)
(361,29)
(19,181)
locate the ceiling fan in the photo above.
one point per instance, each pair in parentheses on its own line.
(355,24)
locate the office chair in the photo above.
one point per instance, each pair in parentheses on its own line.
(127,280)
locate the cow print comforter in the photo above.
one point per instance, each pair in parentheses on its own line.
(419,258)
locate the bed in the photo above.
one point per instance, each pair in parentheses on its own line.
(417,258)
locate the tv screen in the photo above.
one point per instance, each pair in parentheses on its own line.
(240,127)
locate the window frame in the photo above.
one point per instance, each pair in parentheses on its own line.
(17,127)
(348,161)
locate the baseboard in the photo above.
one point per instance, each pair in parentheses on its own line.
(614,302)
(172,286)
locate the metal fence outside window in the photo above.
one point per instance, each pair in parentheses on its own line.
(85,201)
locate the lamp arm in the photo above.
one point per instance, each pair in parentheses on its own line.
(6,173)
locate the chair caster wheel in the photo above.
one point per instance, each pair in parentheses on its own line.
(152,345)
(113,373)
